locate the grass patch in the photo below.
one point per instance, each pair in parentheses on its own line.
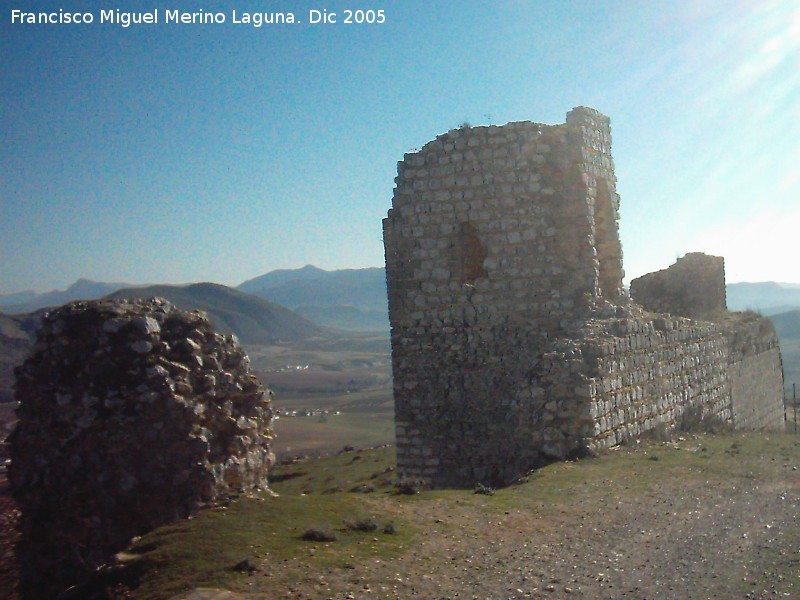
(271,534)
(306,528)
(344,471)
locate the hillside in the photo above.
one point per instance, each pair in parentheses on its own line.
(766,297)
(787,324)
(353,299)
(83,289)
(348,318)
(788,327)
(254,320)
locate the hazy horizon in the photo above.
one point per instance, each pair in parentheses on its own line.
(789,285)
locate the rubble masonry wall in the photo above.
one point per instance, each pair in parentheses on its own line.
(755,370)
(647,372)
(132,414)
(693,287)
(496,235)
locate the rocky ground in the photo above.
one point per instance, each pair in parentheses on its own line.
(677,541)
(8,511)
(725,530)
(8,537)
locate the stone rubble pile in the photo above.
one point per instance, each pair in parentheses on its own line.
(132,414)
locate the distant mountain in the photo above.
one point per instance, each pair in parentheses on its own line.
(767,297)
(787,325)
(348,318)
(83,289)
(17,298)
(280,277)
(353,299)
(254,320)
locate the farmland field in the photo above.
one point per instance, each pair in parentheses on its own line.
(329,393)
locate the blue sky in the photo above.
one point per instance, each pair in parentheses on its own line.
(179,153)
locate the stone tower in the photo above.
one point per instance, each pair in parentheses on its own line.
(497,238)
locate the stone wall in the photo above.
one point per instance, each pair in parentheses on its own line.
(520,219)
(131,415)
(513,342)
(648,372)
(756,373)
(496,235)
(693,287)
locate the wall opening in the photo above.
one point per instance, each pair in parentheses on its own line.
(468,254)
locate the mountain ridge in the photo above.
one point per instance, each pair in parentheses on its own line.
(82,289)
(252,319)
(767,297)
(352,299)
(356,299)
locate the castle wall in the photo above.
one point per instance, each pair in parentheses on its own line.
(646,373)
(513,342)
(756,374)
(628,376)
(132,414)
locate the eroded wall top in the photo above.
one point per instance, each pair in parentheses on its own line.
(693,287)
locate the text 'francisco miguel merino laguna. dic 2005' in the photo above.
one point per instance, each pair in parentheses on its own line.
(198,17)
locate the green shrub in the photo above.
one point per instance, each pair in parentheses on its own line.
(409,486)
(694,421)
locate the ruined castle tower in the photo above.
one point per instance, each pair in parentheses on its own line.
(508,314)
(496,237)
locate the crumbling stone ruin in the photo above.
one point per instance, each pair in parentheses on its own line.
(132,414)
(693,287)
(513,339)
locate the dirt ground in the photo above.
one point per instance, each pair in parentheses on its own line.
(703,535)
(717,542)
(8,512)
